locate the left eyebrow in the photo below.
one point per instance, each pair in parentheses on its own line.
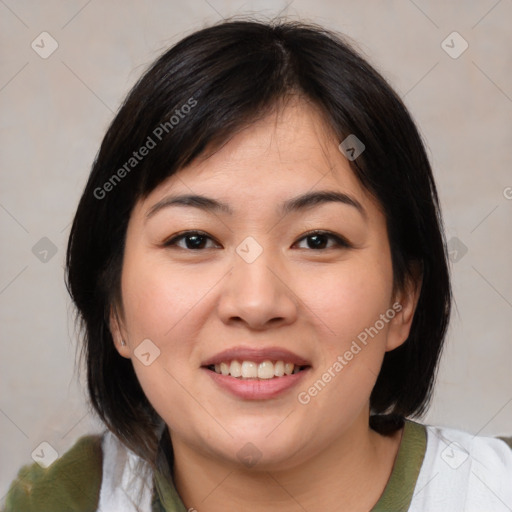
(302,202)
(312,199)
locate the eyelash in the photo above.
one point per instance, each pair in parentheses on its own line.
(340,241)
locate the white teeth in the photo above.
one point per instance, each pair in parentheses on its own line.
(235,369)
(251,370)
(266,370)
(279,369)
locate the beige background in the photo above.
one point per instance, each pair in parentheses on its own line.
(55,112)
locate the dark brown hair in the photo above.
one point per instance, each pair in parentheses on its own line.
(230,75)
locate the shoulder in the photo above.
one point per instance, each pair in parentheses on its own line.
(464,470)
(507,440)
(455,446)
(71,483)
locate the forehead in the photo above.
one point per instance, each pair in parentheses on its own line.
(287,153)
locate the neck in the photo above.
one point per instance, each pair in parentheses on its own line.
(349,475)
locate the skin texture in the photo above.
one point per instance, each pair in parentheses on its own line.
(194,303)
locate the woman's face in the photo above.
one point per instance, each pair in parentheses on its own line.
(257,291)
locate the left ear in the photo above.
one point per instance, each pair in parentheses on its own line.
(404,304)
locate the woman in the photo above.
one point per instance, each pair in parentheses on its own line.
(259,268)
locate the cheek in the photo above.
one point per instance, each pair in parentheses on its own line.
(162,304)
(349,300)
(347,304)
(159,298)
(165,304)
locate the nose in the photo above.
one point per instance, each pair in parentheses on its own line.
(258,294)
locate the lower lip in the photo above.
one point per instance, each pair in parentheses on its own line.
(257,389)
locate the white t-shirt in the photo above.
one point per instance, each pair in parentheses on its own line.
(462,472)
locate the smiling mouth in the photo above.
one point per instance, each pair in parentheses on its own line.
(246,370)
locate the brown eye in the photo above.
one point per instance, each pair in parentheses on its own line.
(319,240)
(192,240)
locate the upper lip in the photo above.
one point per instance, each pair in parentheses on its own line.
(257,355)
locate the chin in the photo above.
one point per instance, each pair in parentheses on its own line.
(260,449)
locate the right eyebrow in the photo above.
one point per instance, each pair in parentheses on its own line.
(193,200)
